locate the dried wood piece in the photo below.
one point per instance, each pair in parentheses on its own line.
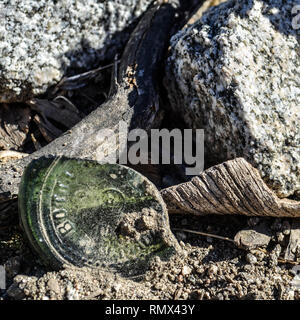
(14,126)
(61,110)
(36,144)
(47,129)
(79,80)
(134,99)
(233,187)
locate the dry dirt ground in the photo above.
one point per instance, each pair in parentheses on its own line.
(208,268)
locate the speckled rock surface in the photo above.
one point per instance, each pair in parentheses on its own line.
(42,40)
(236,73)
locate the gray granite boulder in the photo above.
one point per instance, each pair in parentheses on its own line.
(236,73)
(42,40)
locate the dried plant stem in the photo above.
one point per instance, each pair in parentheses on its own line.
(205,234)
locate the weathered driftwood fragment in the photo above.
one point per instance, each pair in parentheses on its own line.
(14,126)
(233,187)
(142,53)
(134,99)
(60,110)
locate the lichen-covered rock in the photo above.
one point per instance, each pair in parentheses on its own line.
(236,73)
(42,40)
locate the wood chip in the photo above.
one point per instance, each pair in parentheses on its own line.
(233,187)
(14,126)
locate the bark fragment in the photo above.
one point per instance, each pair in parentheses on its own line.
(14,126)
(134,98)
(233,187)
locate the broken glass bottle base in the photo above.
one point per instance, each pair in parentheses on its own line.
(86,214)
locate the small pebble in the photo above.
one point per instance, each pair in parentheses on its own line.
(53,285)
(212,270)
(186,271)
(180,278)
(250,258)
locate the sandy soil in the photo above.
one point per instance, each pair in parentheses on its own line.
(208,269)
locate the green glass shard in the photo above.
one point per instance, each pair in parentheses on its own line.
(82,213)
